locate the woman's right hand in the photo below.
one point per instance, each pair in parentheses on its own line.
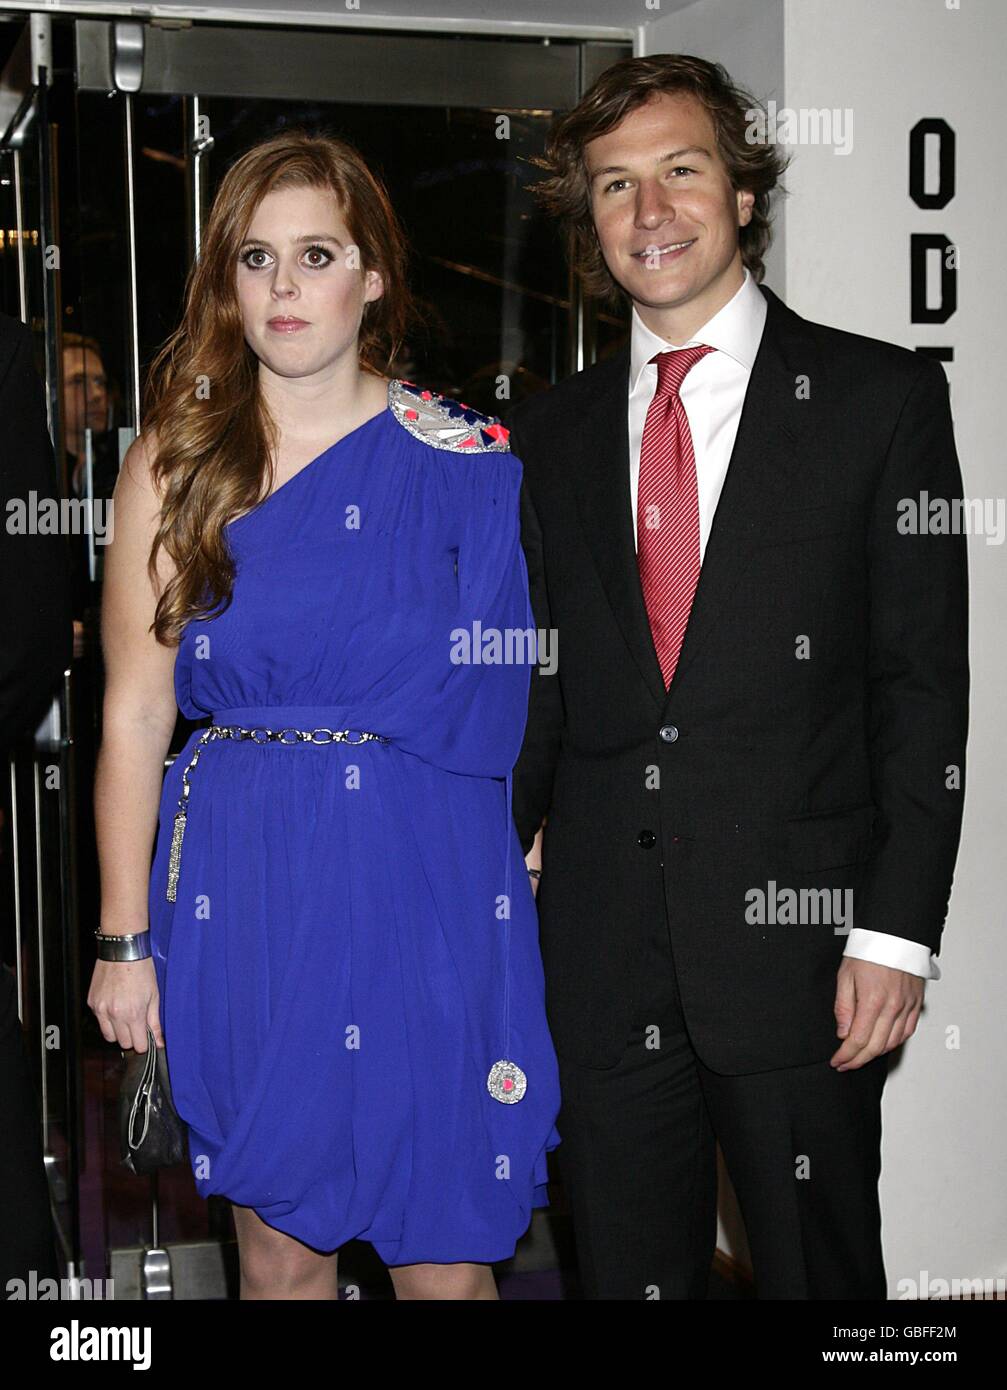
(123,998)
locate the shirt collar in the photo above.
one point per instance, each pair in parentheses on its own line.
(736,329)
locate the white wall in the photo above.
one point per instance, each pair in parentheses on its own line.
(848,222)
(848,219)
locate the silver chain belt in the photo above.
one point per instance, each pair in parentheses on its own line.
(256,735)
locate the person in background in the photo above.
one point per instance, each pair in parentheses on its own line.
(87,405)
(35,648)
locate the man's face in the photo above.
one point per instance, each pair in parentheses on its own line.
(85,392)
(664,210)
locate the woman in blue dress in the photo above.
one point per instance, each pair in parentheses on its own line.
(337,939)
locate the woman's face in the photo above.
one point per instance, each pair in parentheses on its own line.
(300,284)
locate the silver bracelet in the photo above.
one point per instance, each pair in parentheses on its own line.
(535,873)
(130,946)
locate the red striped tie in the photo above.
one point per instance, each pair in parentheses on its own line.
(667,509)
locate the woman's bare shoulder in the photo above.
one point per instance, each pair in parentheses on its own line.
(136,475)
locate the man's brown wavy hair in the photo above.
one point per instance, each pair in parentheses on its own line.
(626,85)
(215,437)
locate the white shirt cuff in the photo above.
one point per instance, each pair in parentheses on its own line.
(894,951)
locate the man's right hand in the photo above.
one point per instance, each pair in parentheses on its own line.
(533,860)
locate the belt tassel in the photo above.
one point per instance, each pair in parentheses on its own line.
(175,856)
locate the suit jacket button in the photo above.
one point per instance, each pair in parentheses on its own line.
(668,732)
(646,839)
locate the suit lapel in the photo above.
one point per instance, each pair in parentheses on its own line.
(603,499)
(767,454)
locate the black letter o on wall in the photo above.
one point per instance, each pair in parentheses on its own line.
(932,125)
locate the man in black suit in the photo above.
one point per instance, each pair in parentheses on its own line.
(36,642)
(750,759)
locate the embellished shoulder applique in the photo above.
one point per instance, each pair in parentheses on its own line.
(444,423)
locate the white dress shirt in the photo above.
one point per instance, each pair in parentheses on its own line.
(713,393)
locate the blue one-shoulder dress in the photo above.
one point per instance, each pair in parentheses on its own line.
(353,940)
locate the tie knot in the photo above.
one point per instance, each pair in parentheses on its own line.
(674,367)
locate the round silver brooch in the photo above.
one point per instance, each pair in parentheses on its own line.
(506,1082)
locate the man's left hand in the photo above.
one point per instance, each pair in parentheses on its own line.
(876,1009)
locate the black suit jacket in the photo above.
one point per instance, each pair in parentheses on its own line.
(36,630)
(815,726)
